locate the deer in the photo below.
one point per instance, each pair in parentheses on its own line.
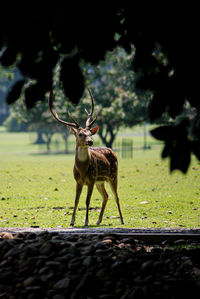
(93,165)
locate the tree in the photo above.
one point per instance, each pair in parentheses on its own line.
(5,78)
(116,103)
(39,119)
(167,56)
(8,77)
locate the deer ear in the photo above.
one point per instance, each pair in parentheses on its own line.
(94,130)
(72,130)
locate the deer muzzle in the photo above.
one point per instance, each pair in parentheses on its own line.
(89,142)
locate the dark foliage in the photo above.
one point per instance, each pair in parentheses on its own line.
(176,146)
(72,79)
(167,54)
(15,92)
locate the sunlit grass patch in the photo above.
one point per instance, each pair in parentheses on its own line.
(39,190)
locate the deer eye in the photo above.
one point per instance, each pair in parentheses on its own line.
(81,135)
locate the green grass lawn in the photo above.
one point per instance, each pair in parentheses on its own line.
(39,190)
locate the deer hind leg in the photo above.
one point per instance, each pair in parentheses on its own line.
(89,194)
(113,185)
(78,193)
(102,191)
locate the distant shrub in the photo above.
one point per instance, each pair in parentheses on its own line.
(13,125)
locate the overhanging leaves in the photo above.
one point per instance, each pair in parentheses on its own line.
(72,78)
(177,145)
(15,92)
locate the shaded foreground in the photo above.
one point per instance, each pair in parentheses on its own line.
(58,266)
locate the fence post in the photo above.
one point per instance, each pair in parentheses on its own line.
(127,148)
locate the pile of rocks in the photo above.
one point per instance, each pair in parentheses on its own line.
(58,266)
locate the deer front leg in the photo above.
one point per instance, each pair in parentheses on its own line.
(79,188)
(89,194)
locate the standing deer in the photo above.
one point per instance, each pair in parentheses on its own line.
(92,165)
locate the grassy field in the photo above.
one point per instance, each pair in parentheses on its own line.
(38,189)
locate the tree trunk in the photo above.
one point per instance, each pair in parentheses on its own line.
(39,139)
(65,136)
(108,137)
(49,136)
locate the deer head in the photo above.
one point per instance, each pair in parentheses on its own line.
(83,135)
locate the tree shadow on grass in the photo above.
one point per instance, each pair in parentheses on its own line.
(51,153)
(95,226)
(98,209)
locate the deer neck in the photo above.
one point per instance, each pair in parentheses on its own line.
(82,154)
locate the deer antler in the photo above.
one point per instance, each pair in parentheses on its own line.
(89,115)
(55,115)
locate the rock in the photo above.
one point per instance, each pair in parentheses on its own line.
(195,273)
(130,241)
(116,265)
(102,245)
(147,266)
(74,263)
(187,264)
(87,250)
(53,264)
(102,274)
(6,235)
(46,248)
(158,265)
(29,281)
(89,261)
(31,236)
(51,293)
(137,293)
(107,241)
(107,296)
(44,270)
(5,274)
(33,296)
(46,276)
(156,250)
(122,246)
(57,296)
(13,252)
(62,284)
(33,289)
